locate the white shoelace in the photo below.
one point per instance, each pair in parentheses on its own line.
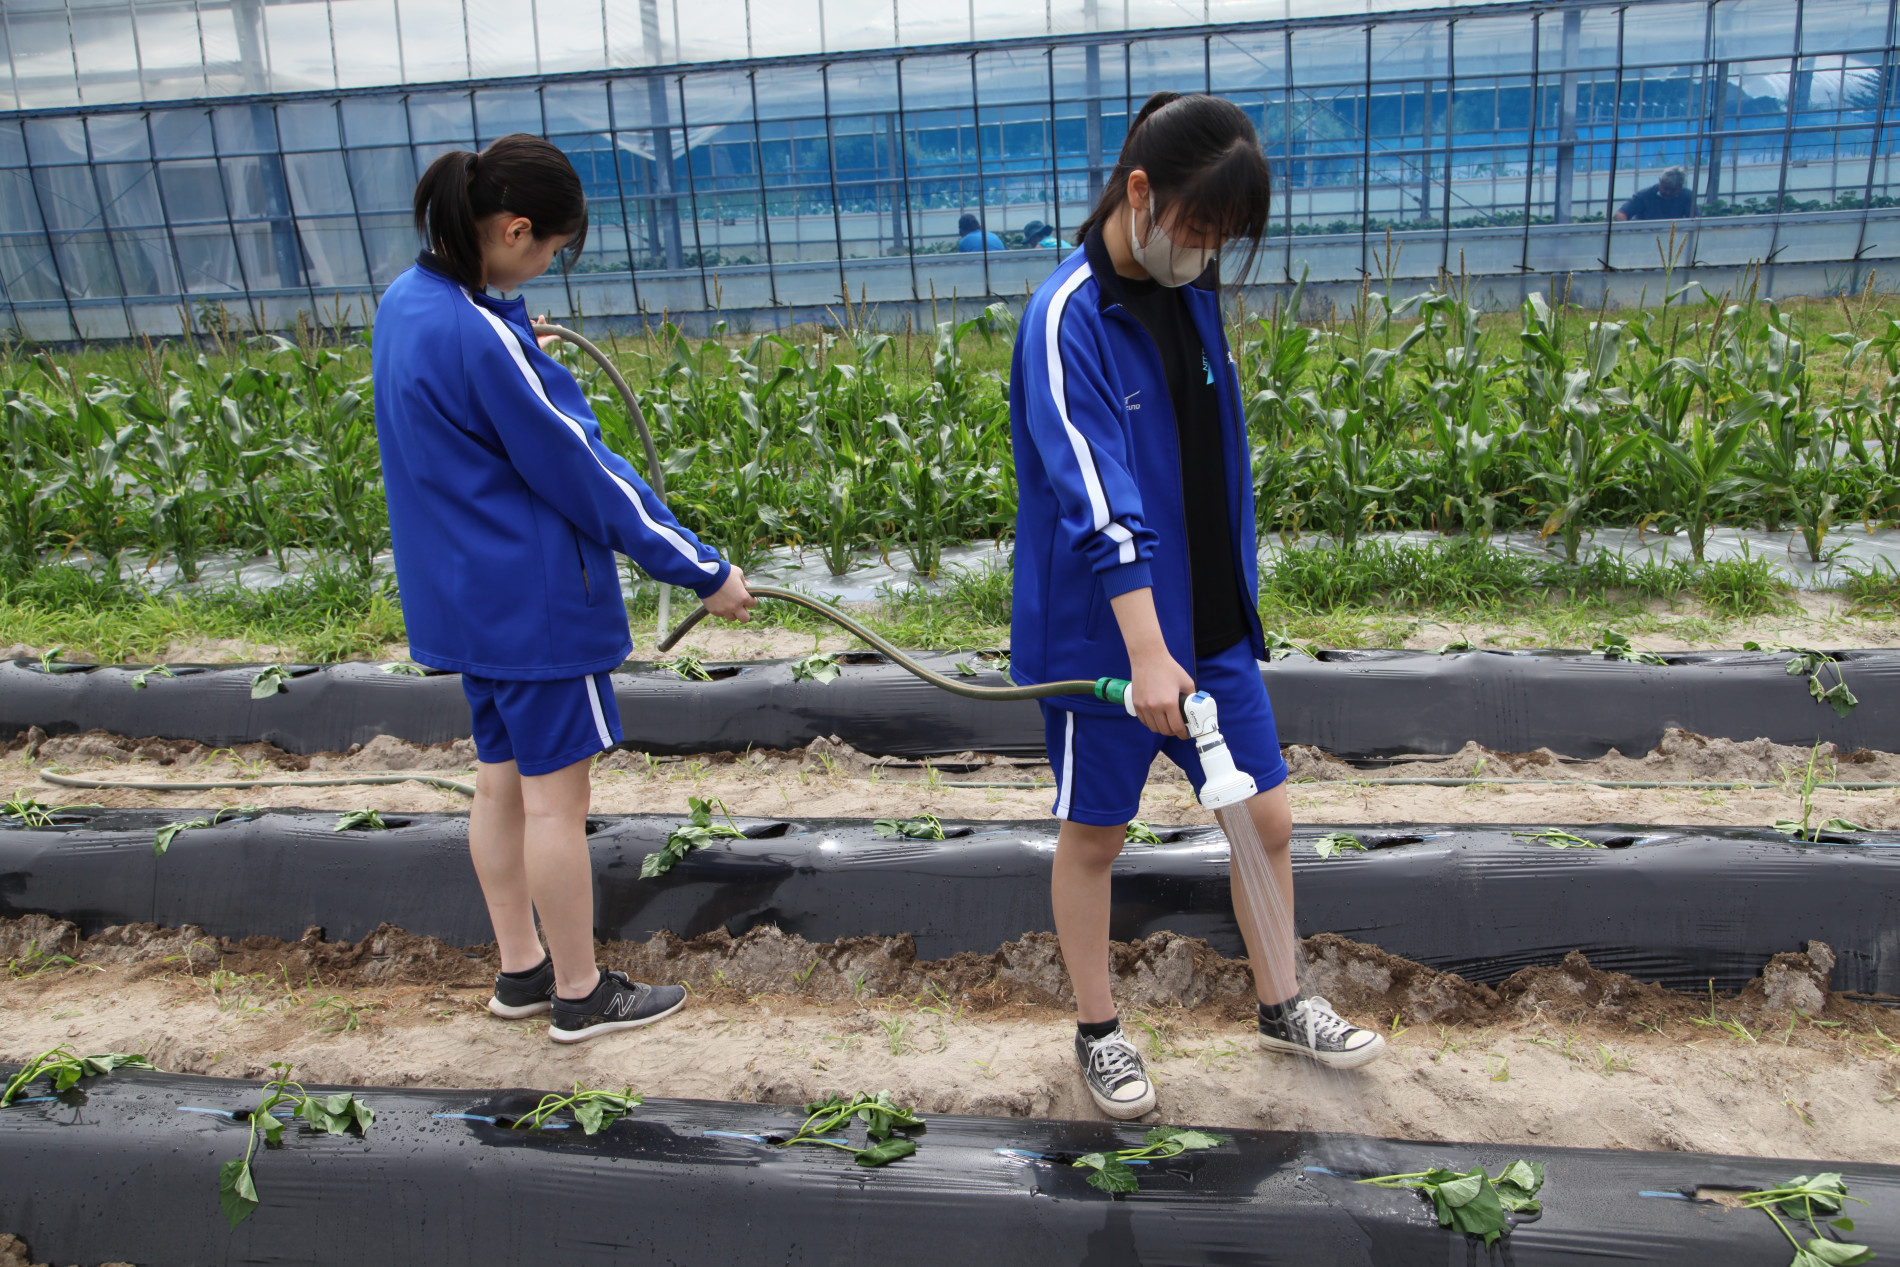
(1321,1023)
(1115,1061)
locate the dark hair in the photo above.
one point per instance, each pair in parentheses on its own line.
(1203,159)
(520,174)
(968,223)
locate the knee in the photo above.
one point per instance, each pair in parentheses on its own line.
(1090,847)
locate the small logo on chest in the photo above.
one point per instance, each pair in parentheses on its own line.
(1128,401)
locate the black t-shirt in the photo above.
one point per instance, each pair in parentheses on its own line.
(1219,619)
(1653,204)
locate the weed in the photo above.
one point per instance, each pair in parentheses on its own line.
(1734,1029)
(894,1031)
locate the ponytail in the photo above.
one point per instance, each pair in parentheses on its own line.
(520,174)
(1205,169)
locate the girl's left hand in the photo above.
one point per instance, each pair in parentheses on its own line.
(545,340)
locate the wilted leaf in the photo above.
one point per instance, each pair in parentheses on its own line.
(237,1195)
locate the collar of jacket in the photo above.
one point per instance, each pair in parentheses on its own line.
(1108,283)
(513,311)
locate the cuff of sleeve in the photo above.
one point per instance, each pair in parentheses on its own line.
(712,583)
(1117,581)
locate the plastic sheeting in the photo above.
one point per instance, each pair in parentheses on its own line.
(127,1168)
(1356,704)
(1680,907)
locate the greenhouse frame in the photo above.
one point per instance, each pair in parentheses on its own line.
(170,165)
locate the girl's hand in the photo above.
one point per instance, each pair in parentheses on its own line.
(545,340)
(729,601)
(1156,685)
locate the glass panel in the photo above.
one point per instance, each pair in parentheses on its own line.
(391,242)
(233,38)
(145,260)
(1091,119)
(245,130)
(368,50)
(627,34)
(19,206)
(500,42)
(933,22)
(430,50)
(575,107)
(794,158)
(499,111)
(855,88)
(853,24)
(382,179)
(8,101)
(1149,14)
(727,96)
(299,41)
(308,125)
(130,194)
(318,183)
(1495,46)
(118,136)
(711,31)
(169,49)
(181,133)
(101,320)
(784,28)
(42,50)
(272,257)
(56,140)
(374,121)
(26,264)
(1838,25)
(193,191)
(67,197)
(571,36)
(870,191)
(1327,140)
(1166,65)
(206,259)
(437,116)
(86,265)
(108,56)
(1743,28)
(12,146)
(1578,38)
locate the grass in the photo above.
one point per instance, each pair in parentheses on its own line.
(1373,595)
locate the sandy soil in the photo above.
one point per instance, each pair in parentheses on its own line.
(1561,1055)
(830,780)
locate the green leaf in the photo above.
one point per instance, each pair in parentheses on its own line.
(272,1127)
(270,679)
(237,1195)
(922,827)
(1844,1225)
(138,679)
(1110,1174)
(1187,1139)
(1557,838)
(966,669)
(169,832)
(1828,1253)
(1524,1175)
(1462,1190)
(403,668)
(884,1153)
(360,820)
(1333,842)
(820,667)
(1839,824)
(1138,832)
(592,1116)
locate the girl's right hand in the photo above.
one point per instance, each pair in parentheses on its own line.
(730,601)
(1156,686)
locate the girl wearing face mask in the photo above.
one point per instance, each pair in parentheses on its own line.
(1135,553)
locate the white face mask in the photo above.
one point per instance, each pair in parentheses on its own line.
(1167,263)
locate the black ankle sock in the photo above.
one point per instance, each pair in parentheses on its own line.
(1094,1030)
(526,973)
(1275,1013)
(582,998)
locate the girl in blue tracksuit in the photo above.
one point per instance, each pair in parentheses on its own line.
(1135,552)
(505,511)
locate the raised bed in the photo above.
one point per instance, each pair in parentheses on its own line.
(1354,704)
(1676,906)
(126,1168)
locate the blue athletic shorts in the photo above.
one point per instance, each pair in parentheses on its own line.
(542,726)
(1101,763)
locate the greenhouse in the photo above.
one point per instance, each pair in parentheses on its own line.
(174,164)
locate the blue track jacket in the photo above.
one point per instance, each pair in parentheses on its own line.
(1098,473)
(504,506)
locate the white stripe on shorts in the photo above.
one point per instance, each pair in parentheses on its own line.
(600,718)
(1067,794)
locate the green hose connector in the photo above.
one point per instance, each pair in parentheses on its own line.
(1112,689)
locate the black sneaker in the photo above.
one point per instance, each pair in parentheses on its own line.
(1310,1028)
(518,996)
(616,1003)
(1112,1069)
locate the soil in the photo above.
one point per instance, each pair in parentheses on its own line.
(1561,1055)
(832,780)
(14,1252)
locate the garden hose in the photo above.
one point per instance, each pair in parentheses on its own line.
(69,780)
(656,473)
(1110,689)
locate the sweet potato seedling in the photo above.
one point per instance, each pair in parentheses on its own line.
(162,670)
(697,833)
(1139,833)
(1333,843)
(1558,838)
(593,1110)
(820,667)
(1802,1198)
(170,831)
(1111,1172)
(1473,1202)
(360,820)
(882,1118)
(64,1069)
(922,827)
(269,681)
(28,810)
(331,1115)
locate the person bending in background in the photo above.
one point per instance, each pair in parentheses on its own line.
(505,509)
(1667,199)
(1036,234)
(1136,555)
(973,237)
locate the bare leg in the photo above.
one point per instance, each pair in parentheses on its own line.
(560,874)
(1266,919)
(495,844)
(1079,890)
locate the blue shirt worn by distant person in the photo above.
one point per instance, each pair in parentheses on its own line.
(1654,204)
(978,240)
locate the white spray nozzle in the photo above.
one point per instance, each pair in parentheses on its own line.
(1223,784)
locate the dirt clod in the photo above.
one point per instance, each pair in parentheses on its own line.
(14,1253)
